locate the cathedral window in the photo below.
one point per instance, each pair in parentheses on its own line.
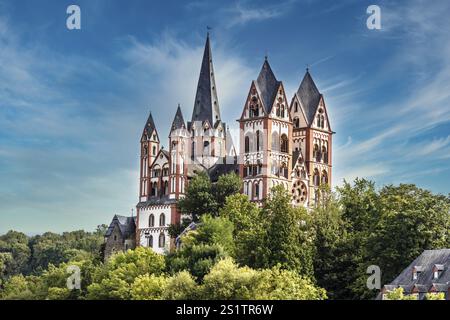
(316,178)
(145,150)
(206,149)
(162,240)
(150,241)
(282,111)
(296,122)
(275,141)
(162,220)
(247,144)
(284,170)
(258,141)
(256,191)
(296,106)
(278,110)
(303,174)
(151,221)
(284,144)
(154,150)
(324,177)
(324,154)
(316,153)
(193,151)
(254,110)
(166,187)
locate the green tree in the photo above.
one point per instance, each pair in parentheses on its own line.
(333,260)
(199,199)
(249,229)
(435,296)
(203,247)
(227,185)
(289,241)
(398,294)
(114,279)
(148,287)
(181,286)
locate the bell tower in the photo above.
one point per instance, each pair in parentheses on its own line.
(312,142)
(150,145)
(179,143)
(265,137)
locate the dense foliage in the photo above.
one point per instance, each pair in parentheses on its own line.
(243,251)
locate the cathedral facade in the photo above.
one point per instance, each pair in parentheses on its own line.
(281,143)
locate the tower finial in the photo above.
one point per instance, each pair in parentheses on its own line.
(208,28)
(266,56)
(307,67)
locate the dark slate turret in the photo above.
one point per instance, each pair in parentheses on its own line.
(178,121)
(206,104)
(149,127)
(267,85)
(309,96)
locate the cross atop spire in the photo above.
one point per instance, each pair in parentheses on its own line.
(206,104)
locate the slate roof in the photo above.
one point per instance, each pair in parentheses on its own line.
(220,169)
(149,126)
(178,121)
(127,225)
(295,156)
(425,280)
(309,97)
(206,104)
(163,200)
(267,85)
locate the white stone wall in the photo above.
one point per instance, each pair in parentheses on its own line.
(145,231)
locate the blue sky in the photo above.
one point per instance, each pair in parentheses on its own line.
(73,103)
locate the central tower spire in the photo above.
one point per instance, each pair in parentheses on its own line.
(206,104)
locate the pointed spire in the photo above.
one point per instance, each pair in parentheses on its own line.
(178,121)
(149,125)
(267,85)
(206,104)
(309,96)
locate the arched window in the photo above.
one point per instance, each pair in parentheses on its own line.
(282,110)
(154,150)
(316,178)
(278,110)
(284,170)
(247,144)
(318,120)
(296,122)
(324,154)
(146,150)
(154,189)
(254,110)
(193,150)
(162,240)
(324,177)
(256,190)
(303,174)
(316,153)
(206,148)
(284,144)
(166,188)
(258,141)
(275,141)
(150,241)
(151,221)
(162,220)
(296,107)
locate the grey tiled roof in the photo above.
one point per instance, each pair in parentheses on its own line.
(127,225)
(163,200)
(206,104)
(309,97)
(149,126)
(267,86)
(220,169)
(178,121)
(426,262)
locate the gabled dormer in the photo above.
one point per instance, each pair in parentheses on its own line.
(253,106)
(280,106)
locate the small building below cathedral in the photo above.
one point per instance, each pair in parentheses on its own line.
(120,236)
